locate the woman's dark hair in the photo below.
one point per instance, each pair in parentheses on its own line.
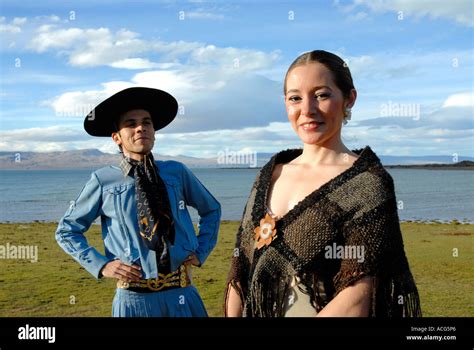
(339,69)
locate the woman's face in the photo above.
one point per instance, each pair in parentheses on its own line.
(314,104)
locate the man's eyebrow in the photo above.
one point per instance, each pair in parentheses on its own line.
(134,120)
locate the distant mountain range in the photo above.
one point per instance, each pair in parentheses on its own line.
(80,159)
(93,159)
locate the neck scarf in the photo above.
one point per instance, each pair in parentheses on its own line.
(155,219)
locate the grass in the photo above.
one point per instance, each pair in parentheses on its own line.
(57,286)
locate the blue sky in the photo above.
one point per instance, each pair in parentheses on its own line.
(412,64)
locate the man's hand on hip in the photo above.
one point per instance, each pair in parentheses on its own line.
(119,270)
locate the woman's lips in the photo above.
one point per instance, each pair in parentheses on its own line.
(311,125)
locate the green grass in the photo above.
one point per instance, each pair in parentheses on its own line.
(57,286)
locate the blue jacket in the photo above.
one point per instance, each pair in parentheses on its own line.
(111,195)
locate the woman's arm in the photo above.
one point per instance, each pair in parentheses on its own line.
(353,301)
(233,307)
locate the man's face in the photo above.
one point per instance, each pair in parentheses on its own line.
(136,134)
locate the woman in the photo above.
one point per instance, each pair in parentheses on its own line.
(320,234)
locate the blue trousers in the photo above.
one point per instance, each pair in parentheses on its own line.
(178,302)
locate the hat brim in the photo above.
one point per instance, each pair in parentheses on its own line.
(160,104)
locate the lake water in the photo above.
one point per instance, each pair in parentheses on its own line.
(44,195)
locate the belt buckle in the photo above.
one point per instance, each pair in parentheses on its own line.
(174,279)
(154,284)
(122,284)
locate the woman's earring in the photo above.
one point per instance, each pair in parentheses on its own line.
(347,115)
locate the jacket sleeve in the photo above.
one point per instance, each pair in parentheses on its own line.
(209,211)
(77,220)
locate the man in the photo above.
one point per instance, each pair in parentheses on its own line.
(150,242)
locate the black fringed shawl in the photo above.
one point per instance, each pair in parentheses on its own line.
(355,209)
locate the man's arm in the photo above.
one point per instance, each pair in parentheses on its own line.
(209,211)
(77,220)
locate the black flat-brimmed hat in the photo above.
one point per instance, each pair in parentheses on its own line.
(160,104)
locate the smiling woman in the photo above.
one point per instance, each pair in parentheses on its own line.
(318,100)
(306,201)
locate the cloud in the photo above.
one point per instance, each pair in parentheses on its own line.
(213,85)
(413,116)
(270,138)
(77,103)
(48,134)
(226,97)
(13,27)
(459,11)
(80,103)
(208,100)
(220,88)
(382,66)
(421,78)
(122,49)
(50,18)
(101,47)
(465,99)
(395,140)
(134,63)
(52,139)
(200,144)
(172,51)
(89,47)
(18,21)
(359,16)
(201,14)
(26,76)
(57,39)
(207,144)
(234,58)
(18,33)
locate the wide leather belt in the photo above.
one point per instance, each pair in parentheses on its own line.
(176,279)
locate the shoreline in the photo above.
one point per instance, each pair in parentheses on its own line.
(412,221)
(429,167)
(394,166)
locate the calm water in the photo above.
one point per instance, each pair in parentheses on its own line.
(422,194)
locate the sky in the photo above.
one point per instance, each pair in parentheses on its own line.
(412,65)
